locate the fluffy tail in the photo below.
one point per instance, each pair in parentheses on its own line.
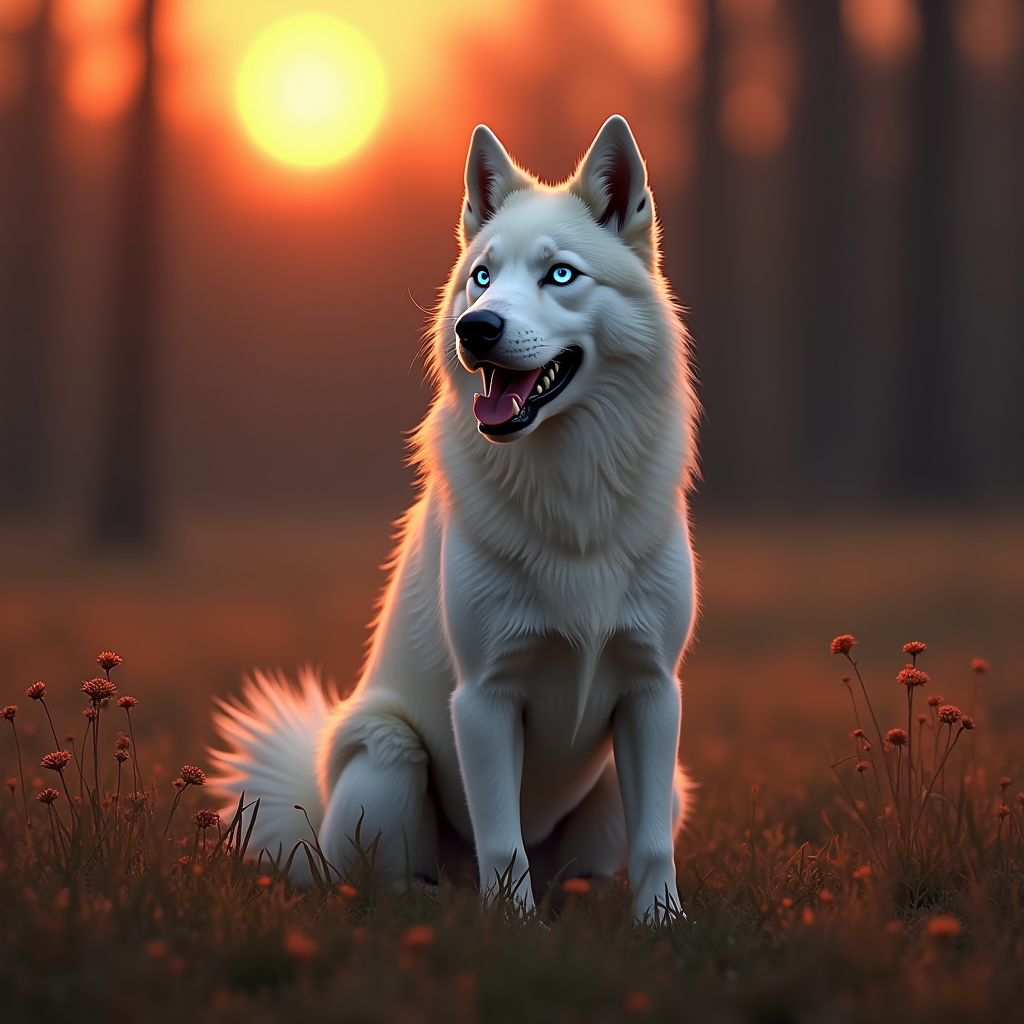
(271,733)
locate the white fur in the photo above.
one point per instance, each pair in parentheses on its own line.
(522,680)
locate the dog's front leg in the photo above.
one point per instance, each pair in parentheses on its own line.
(645,735)
(489,740)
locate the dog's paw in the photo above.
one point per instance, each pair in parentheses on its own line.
(655,896)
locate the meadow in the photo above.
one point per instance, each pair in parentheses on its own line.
(824,876)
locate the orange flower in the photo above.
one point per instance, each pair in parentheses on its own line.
(914,648)
(57,761)
(911,676)
(299,945)
(36,691)
(824,896)
(348,892)
(638,1002)
(108,660)
(843,644)
(98,689)
(979,665)
(944,926)
(576,886)
(47,796)
(264,881)
(950,715)
(966,722)
(896,737)
(9,712)
(193,776)
(127,702)
(419,936)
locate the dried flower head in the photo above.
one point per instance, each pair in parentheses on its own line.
(843,644)
(1020,796)
(9,712)
(11,784)
(934,701)
(966,722)
(950,714)
(1005,780)
(123,741)
(120,756)
(127,702)
(98,689)
(36,691)
(193,776)
(896,737)
(944,926)
(47,796)
(206,819)
(914,648)
(858,732)
(921,719)
(862,766)
(1002,811)
(57,761)
(178,784)
(108,660)
(979,665)
(911,676)
(91,713)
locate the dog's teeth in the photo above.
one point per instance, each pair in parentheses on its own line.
(538,390)
(555,365)
(546,381)
(515,405)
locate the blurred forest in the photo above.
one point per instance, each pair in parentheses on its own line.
(843,217)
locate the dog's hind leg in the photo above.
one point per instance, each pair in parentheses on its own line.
(593,841)
(382,788)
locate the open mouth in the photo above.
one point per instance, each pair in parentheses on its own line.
(511,397)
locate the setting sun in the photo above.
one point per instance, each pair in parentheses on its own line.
(310,90)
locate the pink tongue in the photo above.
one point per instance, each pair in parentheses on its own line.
(496,406)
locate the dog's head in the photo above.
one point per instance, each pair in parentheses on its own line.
(557,292)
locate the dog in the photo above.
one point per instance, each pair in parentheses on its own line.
(520,692)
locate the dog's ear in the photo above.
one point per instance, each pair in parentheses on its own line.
(490,177)
(612,180)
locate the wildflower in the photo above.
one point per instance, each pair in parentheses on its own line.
(348,892)
(862,766)
(861,873)
(944,926)
(57,761)
(98,689)
(979,665)
(127,702)
(896,737)
(123,742)
(264,881)
(91,713)
(843,644)
(950,715)
(859,733)
(576,886)
(921,719)
(108,660)
(1005,781)
(206,819)
(934,701)
(911,676)
(966,722)
(419,936)
(914,648)
(9,712)
(193,776)
(299,945)
(36,691)
(47,796)
(179,784)
(11,784)
(1002,811)
(120,756)
(638,1002)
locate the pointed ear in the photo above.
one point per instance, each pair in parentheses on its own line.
(612,180)
(490,177)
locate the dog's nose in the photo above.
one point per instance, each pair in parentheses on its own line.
(479,331)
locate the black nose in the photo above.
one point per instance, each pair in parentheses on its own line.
(479,331)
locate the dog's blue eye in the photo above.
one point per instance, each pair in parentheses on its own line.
(562,274)
(481,277)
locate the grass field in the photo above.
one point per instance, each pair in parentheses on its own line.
(801,906)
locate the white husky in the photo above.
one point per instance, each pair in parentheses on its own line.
(520,691)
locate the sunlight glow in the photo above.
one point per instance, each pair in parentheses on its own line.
(310,90)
